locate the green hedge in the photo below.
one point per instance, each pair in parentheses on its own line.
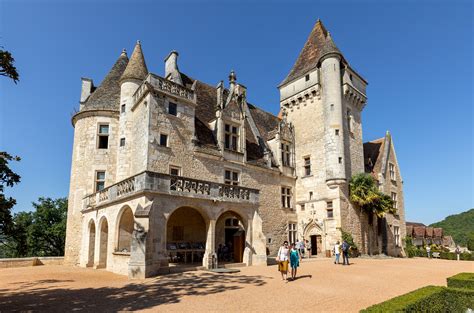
(462,280)
(428,299)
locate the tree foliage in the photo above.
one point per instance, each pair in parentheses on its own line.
(365,194)
(459,226)
(8,178)
(7,67)
(38,233)
(470,241)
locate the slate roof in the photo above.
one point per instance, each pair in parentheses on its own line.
(136,68)
(415,224)
(107,94)
(318,44)
(438,232)
(419,231)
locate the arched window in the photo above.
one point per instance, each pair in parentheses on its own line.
(125,231)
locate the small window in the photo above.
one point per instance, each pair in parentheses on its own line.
(307,166)
(103,137)
(269,240)
(285,154)
(122,142)
(329,205)
(99,180)
(172,108)
(349,120)
(350,77)
(307,77)
(310,195)
(122,108)
(292,232)
(330,213)
(396,232)
(231,137)
(394,199)
(175,171)
(231,177)
(163,140)
(302,207)
(391,169)
(337,132)
(340,160)
(286,197)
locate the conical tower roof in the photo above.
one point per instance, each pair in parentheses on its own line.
(107,95)
(318,44)
(136,68)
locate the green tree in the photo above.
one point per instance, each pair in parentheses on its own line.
(365,195)
(38,233)
(7,68)
(470,241)
(8,178)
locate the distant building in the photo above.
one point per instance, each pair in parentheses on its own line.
(425,235)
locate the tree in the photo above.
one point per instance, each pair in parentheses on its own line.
(365,194)
(8,178)
(38,233)
(7,68)
(470,241)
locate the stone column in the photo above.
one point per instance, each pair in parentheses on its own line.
(138,254)
(247,258)
(210,253)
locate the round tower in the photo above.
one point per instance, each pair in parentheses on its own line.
(131,79)
(333,121)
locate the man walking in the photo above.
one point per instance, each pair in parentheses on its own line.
(345,253)
(336,252)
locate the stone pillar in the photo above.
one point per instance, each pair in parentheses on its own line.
(137,266)
(247,258)
(210,254)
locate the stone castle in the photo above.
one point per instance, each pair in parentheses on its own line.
(169,170)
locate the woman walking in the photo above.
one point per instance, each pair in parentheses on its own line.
(282,259)
(295,258)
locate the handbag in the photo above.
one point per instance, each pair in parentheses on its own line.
(278,255)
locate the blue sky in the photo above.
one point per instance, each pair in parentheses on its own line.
(417,57)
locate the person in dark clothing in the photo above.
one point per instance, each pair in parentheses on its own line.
(345,253)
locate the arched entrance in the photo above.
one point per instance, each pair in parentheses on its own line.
(125,230)
(185,236)
(230,237)
(91,248)
(313,233)
(104,235)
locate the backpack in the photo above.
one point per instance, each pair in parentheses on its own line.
(345,247)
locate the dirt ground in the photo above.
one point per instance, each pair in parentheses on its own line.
(321,286)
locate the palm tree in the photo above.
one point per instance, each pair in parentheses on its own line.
(365,194)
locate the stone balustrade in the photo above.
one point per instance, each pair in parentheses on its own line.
(165,86)
(171,185)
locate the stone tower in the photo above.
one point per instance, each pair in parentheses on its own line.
(97,118)
(323,97)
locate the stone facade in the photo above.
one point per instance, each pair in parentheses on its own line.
(187,167)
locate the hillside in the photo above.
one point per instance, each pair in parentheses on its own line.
(458,226)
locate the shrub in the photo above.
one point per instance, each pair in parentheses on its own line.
(462,280)
(410,249)
(428,299)
(348,237)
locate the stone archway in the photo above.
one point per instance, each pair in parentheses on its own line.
(314,234)
(125,230)
(91,247)
(186,236)
(230,238)
(103,242)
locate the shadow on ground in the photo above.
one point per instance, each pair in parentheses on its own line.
(46,295)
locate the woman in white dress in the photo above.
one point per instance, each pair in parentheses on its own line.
(282,259)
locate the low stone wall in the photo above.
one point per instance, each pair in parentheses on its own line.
(33,261)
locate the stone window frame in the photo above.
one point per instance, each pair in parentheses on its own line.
(396,235)
(122,108)
(393,195)
(98,181)
(122,142)
(175,110)
(164,135)
(231,138)
(292,231)
(391,171)
(174,167)
(286,195)
(307,166)
(231,180)
(285,152)
(101,135)
(302,207)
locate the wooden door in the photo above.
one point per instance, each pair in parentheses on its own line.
(314,245)
(239,245)
(319,240)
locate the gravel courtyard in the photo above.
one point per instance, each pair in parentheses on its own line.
(322,286)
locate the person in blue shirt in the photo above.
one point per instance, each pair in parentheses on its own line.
(295,258)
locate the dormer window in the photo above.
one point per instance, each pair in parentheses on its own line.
(231,137)
(285,154)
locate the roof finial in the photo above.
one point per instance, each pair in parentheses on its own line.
(124,52)
(232,77)
(138,42)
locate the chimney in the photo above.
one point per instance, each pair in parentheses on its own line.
(220,95)
(86,90)
(171,68)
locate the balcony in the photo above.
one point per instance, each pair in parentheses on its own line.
(152,182)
